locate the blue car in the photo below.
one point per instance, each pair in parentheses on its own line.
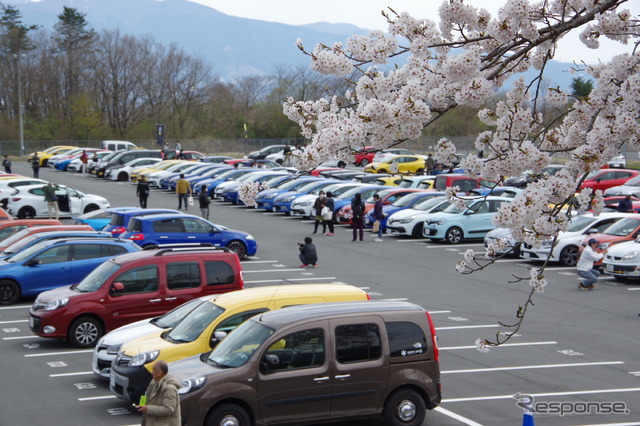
(165,182)
(152,231)
(98,219)
(223,177)
(230,194)
(29,240)
(265,199)
(55,263)
(365,192)
(172,181)
(402,203)
(282,203)
(209,174)
(120,218)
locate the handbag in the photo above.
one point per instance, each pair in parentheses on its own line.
(190,200)
(326,213)
(376,226)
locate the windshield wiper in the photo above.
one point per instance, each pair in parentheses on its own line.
(216,363)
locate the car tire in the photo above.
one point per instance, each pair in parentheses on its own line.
(364,162)
(239,248)
(26,213)
(416,232)
(228,414)
(405,407)
(381,171)
(9,292)
(342,164)
(91,208)
(123,177)
(453,235)
(420,171)
(84,332)
(279,161)
(569,255)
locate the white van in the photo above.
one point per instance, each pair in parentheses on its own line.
(117,145)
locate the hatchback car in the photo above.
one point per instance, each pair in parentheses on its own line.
(28,202)
(410,222)
(625,229)
(154,230)
(28,241)
(398,164)
(607,178)
(8,228)
(33,229)
(195,334)
(7,187)
(54,263)
(120,217)
(454,224)
(120,172)
(130,288)
(622,261)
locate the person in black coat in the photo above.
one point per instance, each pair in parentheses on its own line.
(357,209)
(204,201)
(329,203)
(308,253)
(142,191)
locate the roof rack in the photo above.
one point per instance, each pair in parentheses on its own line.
(186,247)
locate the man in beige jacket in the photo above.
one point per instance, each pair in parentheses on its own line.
(163,402)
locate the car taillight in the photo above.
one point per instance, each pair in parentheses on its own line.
(368,296)
(434,338)
(119,230)
(136,237)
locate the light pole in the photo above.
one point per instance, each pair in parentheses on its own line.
(20,108)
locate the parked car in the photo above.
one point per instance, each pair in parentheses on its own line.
(463,182)
(271,149)
(363,156)
(138,172)
(303,206)
(35,229)
(568,242)
(398,164)
(419,182)
(28,202)
(265,199)
(527,177)
(618,162)
(123,157)
(195,334)
(9,228)
(410,222)
(510,245)
(322,362)
(30,240)
(631,187)
(63,161)
(405,202)
(55,263)
(454,224)
(97,160)
(622,261)
(96,219)
(117,145)
(386,154)
(50,152)
(184,155)
(4,215)
(130,288)
(120,217)
(191,170)
(7,187)
(154,230)
(215,158)
(230,192)
(387,196)
(228,175)
(121,172)
(282,203)
(607,178)
(625,229)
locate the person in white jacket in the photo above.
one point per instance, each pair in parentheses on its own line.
(585,265)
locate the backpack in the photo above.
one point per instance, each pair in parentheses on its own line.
(357,209)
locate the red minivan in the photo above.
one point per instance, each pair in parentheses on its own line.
(132,287)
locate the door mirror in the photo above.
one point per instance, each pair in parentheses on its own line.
(32,262)
(217,337)
(592,231)
(117,286)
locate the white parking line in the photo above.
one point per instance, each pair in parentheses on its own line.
(79,373)
(95,398)
(15,307)
(568,393)
(20,337)
(439,312)
(289,279)
(13,321)
(531,367)
(457,417)
(634,289)
(505,345)
(271,270)
(463,327)
(60,353)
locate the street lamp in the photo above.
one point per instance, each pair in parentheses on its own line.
(20,108)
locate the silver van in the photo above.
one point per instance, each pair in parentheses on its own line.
(117,145)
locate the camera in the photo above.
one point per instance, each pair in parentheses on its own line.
(300,244)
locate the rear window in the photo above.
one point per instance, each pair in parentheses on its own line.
(135,225)
(183,275)
(357,343)
(168,225)
(116,219)
(406,339)
(219,273)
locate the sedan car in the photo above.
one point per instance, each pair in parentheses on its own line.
(120,172)
(622,261)
(155,230)
(410,222)
(28,202)
(399,163)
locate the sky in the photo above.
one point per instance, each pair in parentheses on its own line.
(366,14)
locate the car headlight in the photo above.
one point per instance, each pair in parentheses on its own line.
(304,203)
(143,358)
(102,200)
(436,222)
(546,244)
(55,304)
(114,349)
(604,246)
(189,385)
(287,199)
(270,196)
(405,219)
(631,255)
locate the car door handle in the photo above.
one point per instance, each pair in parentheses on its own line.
(321,379)
(155,300)
(164,237)
(191,237)
(343,376)
(171,298)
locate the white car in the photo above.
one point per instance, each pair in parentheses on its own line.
(411,221)
(51,163)
(108,346)
(630,187)
(121,172)
(568,243)
(618,162)
(302,205)
(623,260)
(504,234)
(28,202)
(154,178)
(7,186)
(419,182)
(386,154)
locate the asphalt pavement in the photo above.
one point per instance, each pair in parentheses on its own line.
(576,348)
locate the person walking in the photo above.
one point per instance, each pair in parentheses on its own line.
(625,205)
(142,191)
(162,405)
(183,190)
(51,198)
(204,201)
(357,219)
(329,203)
(84,159)
(378,216)
(178,150)
(585,265)
(6,163)
(308,253)
(35,165)
(318,205)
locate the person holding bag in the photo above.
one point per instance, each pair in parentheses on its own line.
(377,217)
(329,207)
(318,205)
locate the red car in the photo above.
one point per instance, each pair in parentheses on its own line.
(387,196)
(132,287)
(625,229)
(608,178)
(364,156)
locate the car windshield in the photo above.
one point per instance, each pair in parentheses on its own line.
(18,245)
(382,194)
(97,277)
(349,193)
(633,182)
(453,208)
(578,223)
(407,199)
(214,172)
(173,317)
(236,349)
(592,175)
(194,323)
(26,253)
(15,237)
(429,203)
(623,227)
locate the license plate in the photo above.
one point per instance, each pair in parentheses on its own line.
(31,322)
(112,380)
(609,267)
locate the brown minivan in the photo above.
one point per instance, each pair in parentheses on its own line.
(317,363)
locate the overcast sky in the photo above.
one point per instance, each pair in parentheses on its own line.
(366,14)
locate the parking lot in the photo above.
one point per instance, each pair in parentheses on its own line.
(574,348)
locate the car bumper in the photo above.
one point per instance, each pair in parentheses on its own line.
(620,270)
(43,326)
(128,383)
(432,232)
(101,362)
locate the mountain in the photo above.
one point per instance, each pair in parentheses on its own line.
(233,46)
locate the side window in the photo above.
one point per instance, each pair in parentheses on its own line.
(183,275)
(219,273)
(607,176)
(604,224)
(86,251)
(168,225)
(406,339)
(135,225)
(110,250)
(53,255)
(232,322)
(138,280)
(304,349)
(465,185)
(357,342)
(196,226)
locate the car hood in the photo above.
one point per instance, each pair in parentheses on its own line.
(56,293)
(405,213)
(129,332)
(622,190)
(619,250)
(193,367)
(146,343)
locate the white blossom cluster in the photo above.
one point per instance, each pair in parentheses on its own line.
(248,191)
(537,281)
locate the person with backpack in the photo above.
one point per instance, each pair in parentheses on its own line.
(357,220)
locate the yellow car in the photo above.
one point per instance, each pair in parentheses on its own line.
(198,331)
(143,171)
(398,164)
(50,152)
(390,180)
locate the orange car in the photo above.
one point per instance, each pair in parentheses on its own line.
(4,215)
(625,229)
(36,229)
(10,227)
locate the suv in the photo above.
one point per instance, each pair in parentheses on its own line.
(130,288)
(151,231)
(123,157)
(317,363)
(55,263)
(196,333)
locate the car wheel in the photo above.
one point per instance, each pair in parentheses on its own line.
(404,407)
(279,161)
(228,415)
(381,171)
(417,230)
(9,292)
(123,176)
(85,332)
(26,213)
(419,171)
(238,248)
(342,164)
(569,255)
(453,235)
(364,162)
(91,208)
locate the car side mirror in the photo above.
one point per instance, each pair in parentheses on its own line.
(32,262)
(117,286)
(217,337)
(269,361)
(592,231)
